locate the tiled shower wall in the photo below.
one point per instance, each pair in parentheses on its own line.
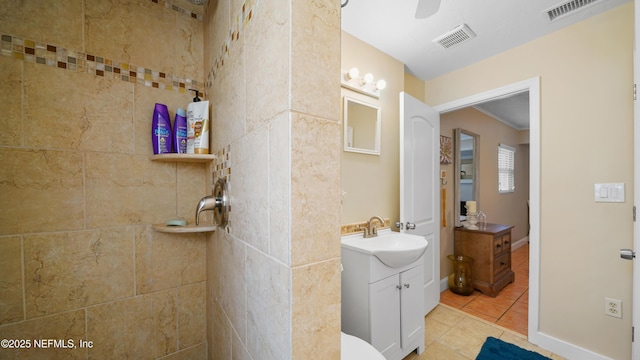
(77,189)
(274,278)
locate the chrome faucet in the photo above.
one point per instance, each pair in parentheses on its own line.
(371,230)
(206,203)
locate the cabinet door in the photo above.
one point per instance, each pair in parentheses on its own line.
(411,300)
(384,297)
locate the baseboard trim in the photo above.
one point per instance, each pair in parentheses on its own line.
(520,243)
(563,348)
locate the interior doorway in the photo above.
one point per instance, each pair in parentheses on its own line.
(533,87)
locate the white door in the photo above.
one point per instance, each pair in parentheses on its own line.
(635,319)
(419,186)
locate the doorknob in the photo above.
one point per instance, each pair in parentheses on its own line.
(627,254)
(411,226)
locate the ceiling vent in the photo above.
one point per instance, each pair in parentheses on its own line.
(568,7)
(455,37)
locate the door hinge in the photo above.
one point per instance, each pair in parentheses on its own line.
(635,92)
(633,334)
(634,213)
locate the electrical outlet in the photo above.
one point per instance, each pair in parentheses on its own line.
(613,307)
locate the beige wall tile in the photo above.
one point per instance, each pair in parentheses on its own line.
(122,329)
(137,22)
(316,310)
(150,35)
(165,261)
(42,190)
(316,45)
(268,307)
(75,269)
(280,188)
(80,112)
(315,215)
(192,325)
(267,54)
(197,352)
(57,22)
(68,325)
(185,48)
(216,31)
(239,350)
(165,311)
(249,216)
(126,190)
(192,186)
(219,333)
(11,301)
(11,102)
(228,99)
(227,279)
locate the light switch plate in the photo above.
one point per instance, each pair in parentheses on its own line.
(609,192)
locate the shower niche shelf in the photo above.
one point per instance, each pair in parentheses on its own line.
(183,158)
(191,228)
(192,158)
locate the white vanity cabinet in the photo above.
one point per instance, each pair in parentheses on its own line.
(383,305)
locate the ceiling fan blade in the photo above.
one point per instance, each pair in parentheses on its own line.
(427,8)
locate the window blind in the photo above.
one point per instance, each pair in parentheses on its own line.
(506,168)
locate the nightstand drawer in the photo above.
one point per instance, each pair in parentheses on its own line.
(501,263)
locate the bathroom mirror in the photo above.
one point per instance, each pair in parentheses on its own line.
(362,124)
(466,172)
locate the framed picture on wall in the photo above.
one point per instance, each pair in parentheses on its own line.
(446,150)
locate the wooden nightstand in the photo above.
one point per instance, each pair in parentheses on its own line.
(491,252)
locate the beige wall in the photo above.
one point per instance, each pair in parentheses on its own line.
(370,183)
(78,191)
(414,86)
(508,208)
(586,74)
(274,275)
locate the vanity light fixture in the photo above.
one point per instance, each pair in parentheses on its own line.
(366,79)
(352,74)
(352,80)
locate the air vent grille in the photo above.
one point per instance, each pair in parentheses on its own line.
(567,8)
(455,37)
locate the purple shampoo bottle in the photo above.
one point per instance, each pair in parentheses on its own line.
(180,131)
(161,133)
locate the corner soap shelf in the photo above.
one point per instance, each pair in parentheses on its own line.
(191,228)
(192,158)
(183,158)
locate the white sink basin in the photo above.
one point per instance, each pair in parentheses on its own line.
(394,249)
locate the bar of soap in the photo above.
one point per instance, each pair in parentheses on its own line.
(176,222)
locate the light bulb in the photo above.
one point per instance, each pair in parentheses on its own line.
(380,84)
(352,74)
(367,79)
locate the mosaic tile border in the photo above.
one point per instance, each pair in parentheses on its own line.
(59,57)
(349,229)
(240,21)
(221,169)
(222,166)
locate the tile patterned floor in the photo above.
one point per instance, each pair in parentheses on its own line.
(451,334)
(510,307)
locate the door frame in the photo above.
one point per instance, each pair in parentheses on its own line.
(635,316)
(533,86)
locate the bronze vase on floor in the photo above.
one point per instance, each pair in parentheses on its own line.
(461,279)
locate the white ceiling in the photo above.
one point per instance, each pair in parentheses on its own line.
(391,26)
